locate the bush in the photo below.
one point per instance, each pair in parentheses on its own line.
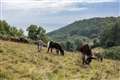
(112,53)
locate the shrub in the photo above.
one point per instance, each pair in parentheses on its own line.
(112,53)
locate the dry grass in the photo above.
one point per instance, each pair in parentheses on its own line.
(23,62)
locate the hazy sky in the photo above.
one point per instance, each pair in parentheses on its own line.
(53,14)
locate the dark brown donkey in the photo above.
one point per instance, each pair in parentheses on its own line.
(54,45)
(86,54)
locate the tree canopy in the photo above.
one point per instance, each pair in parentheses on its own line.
(36,33)
(10,31)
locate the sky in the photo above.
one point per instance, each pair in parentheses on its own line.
(54,14)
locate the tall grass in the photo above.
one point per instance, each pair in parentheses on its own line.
(23,62)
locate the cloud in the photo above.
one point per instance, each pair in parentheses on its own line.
(35,4)
(77,9)
(42,7)
(81,1)
(54,13)
(45,7)
(46,4)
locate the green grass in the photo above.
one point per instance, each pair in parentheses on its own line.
(22,62)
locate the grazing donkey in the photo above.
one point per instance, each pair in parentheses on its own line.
(40,44)
(86,54)
(98,55)
(54,45)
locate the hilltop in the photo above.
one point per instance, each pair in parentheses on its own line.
(86,28)
(20,61)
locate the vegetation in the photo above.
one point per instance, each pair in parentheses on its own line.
(94,31)
(37,33)
(20,61)
(112,53)
(8,32)
(111,36)
(88,27)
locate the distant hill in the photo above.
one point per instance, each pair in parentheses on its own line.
(87,28)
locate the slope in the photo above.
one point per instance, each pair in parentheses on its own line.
(88,28)
(22,62)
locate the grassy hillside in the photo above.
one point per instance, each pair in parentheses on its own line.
(22,62)
(88,28)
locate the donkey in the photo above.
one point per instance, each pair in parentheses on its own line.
(99,55)
(54,45)
(86,54)
(39,45)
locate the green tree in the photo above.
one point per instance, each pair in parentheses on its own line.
(32,32)
(21,32)
(40,33)
(77,43)
(14,32)
(111,36)
(4,27)
(96,43)
(116,33)
(36,33)
(69,46)
(9,31)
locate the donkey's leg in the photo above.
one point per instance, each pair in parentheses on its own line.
(48,50)
(88,61)
(61,52)
(83,59)
(38,48)
(51,50)
(57,51)
(101,59)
